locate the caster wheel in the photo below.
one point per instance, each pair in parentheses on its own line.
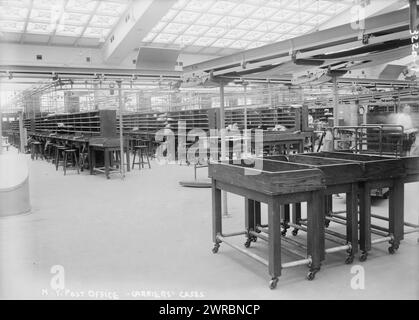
(215,249)
(254,239)
(273,283)
(311,275)
(349,260)
(327,223)
(284,233)
(363,257)
(247,243)
(295,232)
(392,250)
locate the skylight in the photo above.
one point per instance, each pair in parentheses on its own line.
(70,18)
(235,24)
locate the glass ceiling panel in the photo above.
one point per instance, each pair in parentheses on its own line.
(66,30)
(208,19)
(73,18)
(204,41)
(11,26)
(96,32)
(81,5)
(47,4)
(240,24)
(77,19)
(40,28)
(185,40)
(13,13)
(38,15)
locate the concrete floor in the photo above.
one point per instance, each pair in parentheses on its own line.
(147,237)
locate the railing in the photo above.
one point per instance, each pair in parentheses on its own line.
(382,139)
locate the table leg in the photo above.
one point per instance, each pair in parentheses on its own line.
(249,220)
(88,155)
(92,160)
(286,218)
(301,146)
(328,208)
(296,216)
(258,220)
(352,222)
(128,161)
(107,163)
(364,220)
(396,214)
(315,232)
(216,216)
(274,222)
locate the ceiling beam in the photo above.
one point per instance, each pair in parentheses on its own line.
(68,72)
(371,8)
(133,27)
(321,39)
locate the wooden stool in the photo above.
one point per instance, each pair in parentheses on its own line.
(83,158)
(142,151)
(59,155)
(153,148)
(36,150)
(49,151)
(53,147)
(148,144)
(68,155)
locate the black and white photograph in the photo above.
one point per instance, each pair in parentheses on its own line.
(208,155)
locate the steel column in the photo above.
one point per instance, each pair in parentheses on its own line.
(223,145)
(121,129)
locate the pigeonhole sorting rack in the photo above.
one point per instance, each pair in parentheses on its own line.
(290,180)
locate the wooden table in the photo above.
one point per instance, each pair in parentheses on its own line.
(279,183)
(311,177)
(341,176)
(380,172)
(106,146)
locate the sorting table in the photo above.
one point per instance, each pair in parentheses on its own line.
(278,183)
(380,172)
(284,180)
(107,146)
